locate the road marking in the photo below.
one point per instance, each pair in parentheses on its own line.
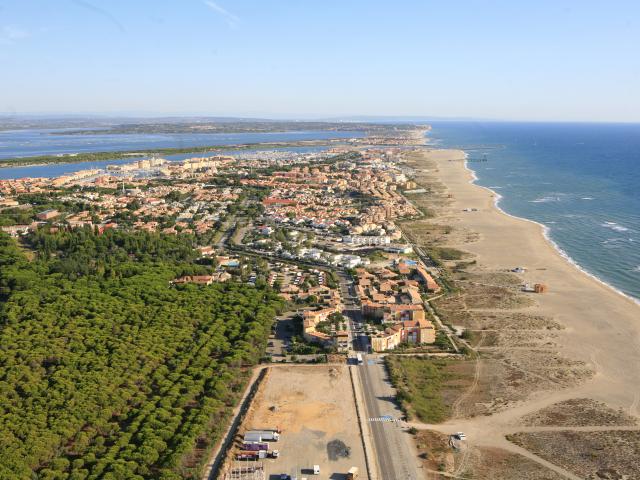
(384,418)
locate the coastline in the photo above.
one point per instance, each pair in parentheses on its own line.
(134,155)
(601,327)
(545,232)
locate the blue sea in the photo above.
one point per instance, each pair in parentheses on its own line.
(582,181)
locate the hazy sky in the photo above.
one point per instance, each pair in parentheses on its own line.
(507,59)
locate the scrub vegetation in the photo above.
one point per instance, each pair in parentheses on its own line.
(425,385)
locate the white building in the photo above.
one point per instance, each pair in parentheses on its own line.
(367,239)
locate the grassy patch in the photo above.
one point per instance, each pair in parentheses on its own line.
(422,384)
(447,253)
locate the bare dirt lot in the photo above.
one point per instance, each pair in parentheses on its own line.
(313,406)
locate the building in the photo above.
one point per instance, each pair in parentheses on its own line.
(342,339)
(411,331)
(430,284)
(320,338)
(207,251)
(389,339)
(16,230)
(540,288)
(391,313)
(367,239)
(47,214)
(197,279)
(311,318)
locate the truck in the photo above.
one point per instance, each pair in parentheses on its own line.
(249,455)
(261,429)
(255,446)
(252,438)
(352,474)
(257,454)
(261,436)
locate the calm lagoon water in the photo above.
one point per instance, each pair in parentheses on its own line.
(25,143)
(29,143)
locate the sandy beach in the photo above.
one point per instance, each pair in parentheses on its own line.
(600,326)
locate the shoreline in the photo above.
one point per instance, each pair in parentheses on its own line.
(545,233)
(601,327)
(134,155)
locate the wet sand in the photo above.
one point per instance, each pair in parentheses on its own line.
(602,327)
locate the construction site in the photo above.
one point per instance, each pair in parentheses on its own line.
(302,423)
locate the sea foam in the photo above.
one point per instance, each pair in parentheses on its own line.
(614,226)
(546,231)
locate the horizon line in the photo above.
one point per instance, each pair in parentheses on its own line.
(296,118)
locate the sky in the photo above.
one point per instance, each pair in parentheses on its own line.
(494,59)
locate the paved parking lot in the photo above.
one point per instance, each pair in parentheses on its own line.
(284,330)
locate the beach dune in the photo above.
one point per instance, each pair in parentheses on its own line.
(602,327)
(600,331)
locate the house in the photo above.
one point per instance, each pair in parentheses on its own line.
(389,339)
(412,295)
(15,230)
(394,313)
(404,269)
(418,331)
(221,277)
(207,251)
(267,202)
(320,338)
(317,316)
(47,214)
(197,279)
(228,262)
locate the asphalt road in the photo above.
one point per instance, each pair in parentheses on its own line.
(393,449)
(391,443)
(383,452)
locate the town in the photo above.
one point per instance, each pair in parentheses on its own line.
(335,211)
(322,229)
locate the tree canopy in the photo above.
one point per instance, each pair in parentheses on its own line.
(109,372)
